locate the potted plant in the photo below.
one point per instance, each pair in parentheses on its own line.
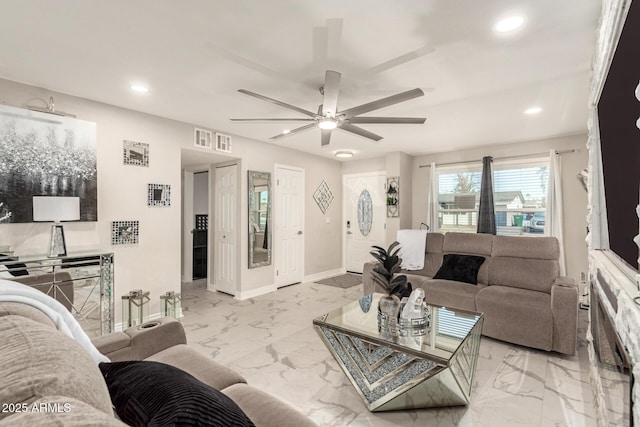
(388,264)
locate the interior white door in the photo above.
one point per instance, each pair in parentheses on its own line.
(289,229)
(225,229)
(365,216)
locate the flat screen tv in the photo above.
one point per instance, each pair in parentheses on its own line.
(618,111)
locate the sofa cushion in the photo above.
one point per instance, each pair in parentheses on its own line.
(449,293)
(516,315)
(62,411)
(38,361)
(468,243)
(524,273)
(24,310)
(266,410)
(526,247)
(471,244)
(200,366)
(460,268)
(153,393)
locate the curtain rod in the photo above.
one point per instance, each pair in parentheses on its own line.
(521,156)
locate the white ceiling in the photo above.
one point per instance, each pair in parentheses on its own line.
(195,54)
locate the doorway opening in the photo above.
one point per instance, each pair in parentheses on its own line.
(201,224)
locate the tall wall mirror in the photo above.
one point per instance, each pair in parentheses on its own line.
(259,219)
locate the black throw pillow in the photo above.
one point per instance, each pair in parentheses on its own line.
(148,393)
(461,268)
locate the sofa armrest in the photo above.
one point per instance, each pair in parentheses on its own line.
(142,341)
(564,306)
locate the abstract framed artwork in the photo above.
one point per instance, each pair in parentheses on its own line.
(159,195)
(125,232)
(45,155)
(135,153)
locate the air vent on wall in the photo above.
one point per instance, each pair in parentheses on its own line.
(223,143)
(202,138)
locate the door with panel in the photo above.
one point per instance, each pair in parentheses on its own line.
(225,229)
(289,225)
(365,216)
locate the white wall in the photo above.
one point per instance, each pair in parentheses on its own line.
(575,197)
(154,264)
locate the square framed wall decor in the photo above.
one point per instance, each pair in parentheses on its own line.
(125,232)
(159,195)
(135,153)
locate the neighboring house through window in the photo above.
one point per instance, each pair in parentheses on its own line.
(520,196)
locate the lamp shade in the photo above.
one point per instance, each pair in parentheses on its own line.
(52,208)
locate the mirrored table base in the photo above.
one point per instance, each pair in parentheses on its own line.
(389,379)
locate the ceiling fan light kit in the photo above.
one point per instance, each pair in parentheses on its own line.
(329,118)
(344,154)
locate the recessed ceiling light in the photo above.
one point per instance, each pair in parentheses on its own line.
(139,88)
(510,23)
(286,131)
(532,110)
(344,154)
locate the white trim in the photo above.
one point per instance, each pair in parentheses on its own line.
(324,275)
(252,293)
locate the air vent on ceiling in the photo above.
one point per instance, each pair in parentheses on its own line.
(202,138)
(223,143)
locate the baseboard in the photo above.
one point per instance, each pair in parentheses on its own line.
(252,293)
(324,274)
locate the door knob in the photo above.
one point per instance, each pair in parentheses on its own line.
(349,232)
(299,232)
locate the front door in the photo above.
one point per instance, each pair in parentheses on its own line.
(225,227)
(289,225)
(365,216)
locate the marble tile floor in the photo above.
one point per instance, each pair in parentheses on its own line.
(270,341)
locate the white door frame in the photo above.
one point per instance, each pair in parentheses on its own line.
(211,264)
(276,207)
(344,208)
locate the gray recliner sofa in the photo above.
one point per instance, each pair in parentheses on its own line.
(40,365)
(524,299)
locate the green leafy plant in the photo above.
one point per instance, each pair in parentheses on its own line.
(389,264)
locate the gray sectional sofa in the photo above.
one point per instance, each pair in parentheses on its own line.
(519,289)
(47,378)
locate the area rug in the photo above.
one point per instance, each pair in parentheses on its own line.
(343,281)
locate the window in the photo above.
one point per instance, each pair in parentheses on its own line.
(519,195)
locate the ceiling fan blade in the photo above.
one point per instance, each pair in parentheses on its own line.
(381,103)
(280,103)
(272,120)
(331,89)
(294,131)
(409,56)
(359,131)
(325,137)
(389,120)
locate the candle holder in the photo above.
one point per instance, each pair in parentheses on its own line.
(135,308)
(170,305)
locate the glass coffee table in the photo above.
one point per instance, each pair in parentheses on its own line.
(402,368)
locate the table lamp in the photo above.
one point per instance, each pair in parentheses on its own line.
(56,209)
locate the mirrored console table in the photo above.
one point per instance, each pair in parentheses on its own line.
(82,282)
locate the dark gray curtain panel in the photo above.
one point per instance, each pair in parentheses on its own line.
(486,210)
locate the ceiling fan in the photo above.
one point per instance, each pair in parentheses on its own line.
(328,118)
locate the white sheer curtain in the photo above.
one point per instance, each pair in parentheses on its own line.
(553,226)
(432,199)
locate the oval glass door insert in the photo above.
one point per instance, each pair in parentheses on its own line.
(365,213)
